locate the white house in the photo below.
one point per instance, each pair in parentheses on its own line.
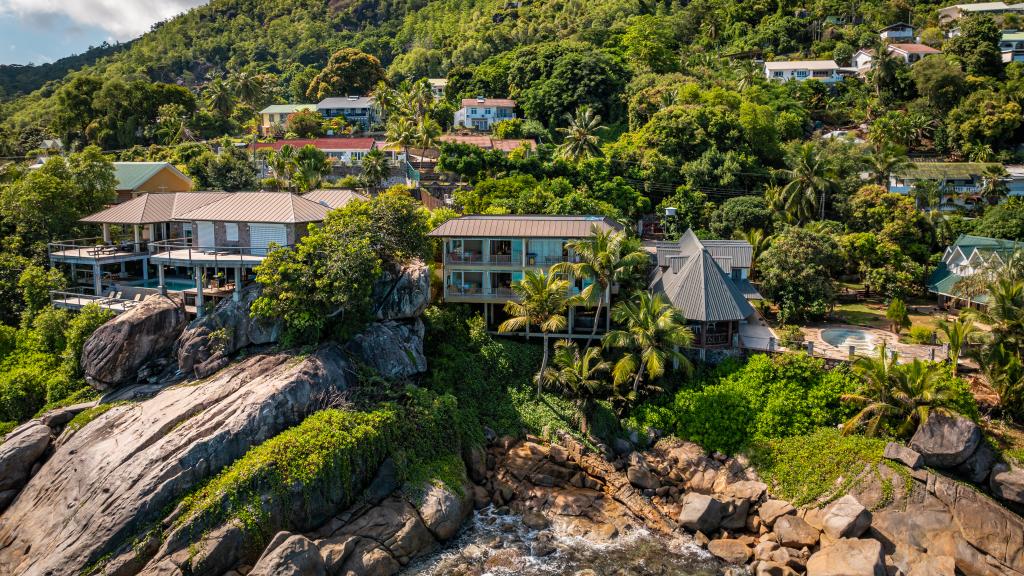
(911,53)
(862,60)
(342,151)
(482,113)
(437,87)
(958,11)
(360,110)
(1012,46)
(822,70)
(898,32)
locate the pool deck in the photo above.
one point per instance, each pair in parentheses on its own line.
(907,352)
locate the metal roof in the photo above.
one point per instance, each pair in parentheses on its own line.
(801,65)
(945,170)
(913,48)
(131,175)
(321,143)
(701,290)
(333,198)
(287,108)
(266,207)
(740,251)
(154,208)
(496,102)
(488,143)
(345,102)
(514,226)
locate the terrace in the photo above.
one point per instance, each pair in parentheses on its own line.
(96,250)
(181,252)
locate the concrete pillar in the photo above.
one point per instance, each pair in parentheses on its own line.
(145,269)
(771,343)
(237,295)
(137,230)
(160,275)
(97,279)
(106,233)
(199,291)
(810,348)
(852,351)
(931,354)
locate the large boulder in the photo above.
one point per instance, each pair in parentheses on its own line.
(393,349)
(18,452)
(978,465)
(444,510)
(120,471)
(290,555)
(115,352)
(208,342)
(906,456)
(730,551)
(402,294)
(946,440)
(771,510)
(700,512)
(1007,482)
(848,557)
(845,518)
(794,532)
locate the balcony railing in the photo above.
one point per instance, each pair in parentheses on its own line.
(95,248)
(477,258)
(473,291)
(181,250)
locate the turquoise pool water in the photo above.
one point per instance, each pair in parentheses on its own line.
(171,284)
(861,340)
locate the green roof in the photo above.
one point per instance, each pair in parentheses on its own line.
(946,170)
(286,108)
(967,243)
(1013,37)
(131,175)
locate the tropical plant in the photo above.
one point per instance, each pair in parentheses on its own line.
(1004,312)
(605,257)
(759,242)
(219,98)
(896,398)
(581,140)
(884,159)
(577,375)
(401,131)
(311,165)
(958,334)
(810,180)
(375,167)
(543,300)
(283,163)
(897,315)
(994,189)
(652,333)
(427,133)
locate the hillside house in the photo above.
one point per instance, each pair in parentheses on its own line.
(950,14)
(826,71)
(274,117)
(898,32)
(342,151)
(708,280)
(137,178)
(911,53)
(965,258)
(484,255)
(483,113)
(960,182)
(437,87)
(358,110)
(487,142)
(1012,46)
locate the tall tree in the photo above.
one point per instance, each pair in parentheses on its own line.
(581,135)
(220,98)
(348,72)
(578,376)
(543,300)
(605,257)
(810,180)
(375,166)
(886,159)
(311,165)
(652,333)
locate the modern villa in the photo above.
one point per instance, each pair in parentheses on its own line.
(483,113)
(965,258)
(958,181)
(483,255)
(708,280)
(202,245)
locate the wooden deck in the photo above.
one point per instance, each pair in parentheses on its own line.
(189,257)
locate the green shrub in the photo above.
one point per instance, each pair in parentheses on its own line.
(5,429)
(790,336)
(921,335)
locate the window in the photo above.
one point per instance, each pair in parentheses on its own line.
(801,73)
(186,229)
(487,111)
(231,231)
(777,74)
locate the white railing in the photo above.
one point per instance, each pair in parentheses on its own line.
(216,256)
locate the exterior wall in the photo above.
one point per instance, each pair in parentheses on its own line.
(801,75)
(294,233)
(165,181)
(898,34)
(365,117)
(482,117)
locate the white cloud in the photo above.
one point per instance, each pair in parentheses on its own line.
(123,19)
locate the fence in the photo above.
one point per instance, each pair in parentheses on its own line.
(755,344)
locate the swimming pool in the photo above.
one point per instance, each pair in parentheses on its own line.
(172,284)
(842,338)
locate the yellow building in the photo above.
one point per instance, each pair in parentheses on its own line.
(137,178)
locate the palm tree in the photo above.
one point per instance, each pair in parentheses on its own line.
(385,98)
(886,159)
(375,167)
(606,256)
(894,394)
(994,190)
(897,315)
(759,242)
(581,139)
(248,88)
(810,179)
(400,131)
(311,165)
(653,331)
(283,163)
(543,301)
(427,134)
(577,376)
(1004,312)
(219,98)
(958,333)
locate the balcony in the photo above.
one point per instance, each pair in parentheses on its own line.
(181,252)
(474,293)
(476,259)
(96,251)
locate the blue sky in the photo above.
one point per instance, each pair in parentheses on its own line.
(41,31)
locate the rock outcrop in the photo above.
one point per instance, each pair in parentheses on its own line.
(290,555)
(120,471)
(207,344)
(21,448)
(394,349)
(946,441)
(117,350)
(402,294)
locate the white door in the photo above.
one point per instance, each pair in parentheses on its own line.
(262,235)
(204,236)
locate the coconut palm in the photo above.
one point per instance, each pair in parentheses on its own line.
(958,333)
(543,300)
(427,134)
(884,160)
(311,165)
(375,167)
(810,179)
(283,164)
(759,242)
(219,98)
(581,139)
(895,397)
(1004,312)
(653,331)
(577,376)
(994,189)
(400,131)
(605,257)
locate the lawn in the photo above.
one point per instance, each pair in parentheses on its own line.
(871,314)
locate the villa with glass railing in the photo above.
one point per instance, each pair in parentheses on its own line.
(484,255)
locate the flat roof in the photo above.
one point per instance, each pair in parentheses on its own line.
(496,102)
(940,170)
(801,64)
(527,226)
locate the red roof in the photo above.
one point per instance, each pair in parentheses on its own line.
(322,143)
(915,48)
(496,102)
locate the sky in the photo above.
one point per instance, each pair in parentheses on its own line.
(40,31)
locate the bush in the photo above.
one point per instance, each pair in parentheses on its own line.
(921,335)
(791,336)
(769,397)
